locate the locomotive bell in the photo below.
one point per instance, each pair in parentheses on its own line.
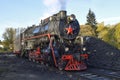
(62,14)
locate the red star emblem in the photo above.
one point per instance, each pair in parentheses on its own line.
(69,30)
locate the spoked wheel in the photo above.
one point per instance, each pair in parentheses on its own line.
(61,64)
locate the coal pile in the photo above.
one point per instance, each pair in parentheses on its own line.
(102,55)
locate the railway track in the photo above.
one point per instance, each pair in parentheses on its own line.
(90,74)
(99,74)
(112,74)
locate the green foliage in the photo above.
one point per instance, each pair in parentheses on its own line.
(117,35)
(110,34)
(86,30)
(102,32)
(8,36)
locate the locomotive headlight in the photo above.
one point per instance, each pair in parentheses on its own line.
(66,49)
(72,17)
(84,49)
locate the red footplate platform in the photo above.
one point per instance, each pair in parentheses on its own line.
(75,65)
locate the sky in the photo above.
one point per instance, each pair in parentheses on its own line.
(23,13)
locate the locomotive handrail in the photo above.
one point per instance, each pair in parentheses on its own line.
(52,50)
(34,37)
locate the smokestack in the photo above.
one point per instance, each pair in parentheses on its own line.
(62,14)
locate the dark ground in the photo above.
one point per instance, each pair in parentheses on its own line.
(14,68)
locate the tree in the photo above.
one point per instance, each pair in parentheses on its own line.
(117,35)
(0,41)
(91,20)
(86,30)
(8,36)
(109,34)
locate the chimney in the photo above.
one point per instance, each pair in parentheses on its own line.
(62,14)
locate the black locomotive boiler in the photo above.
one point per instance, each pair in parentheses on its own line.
(53,42)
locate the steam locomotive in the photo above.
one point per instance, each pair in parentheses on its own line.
(54,42)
